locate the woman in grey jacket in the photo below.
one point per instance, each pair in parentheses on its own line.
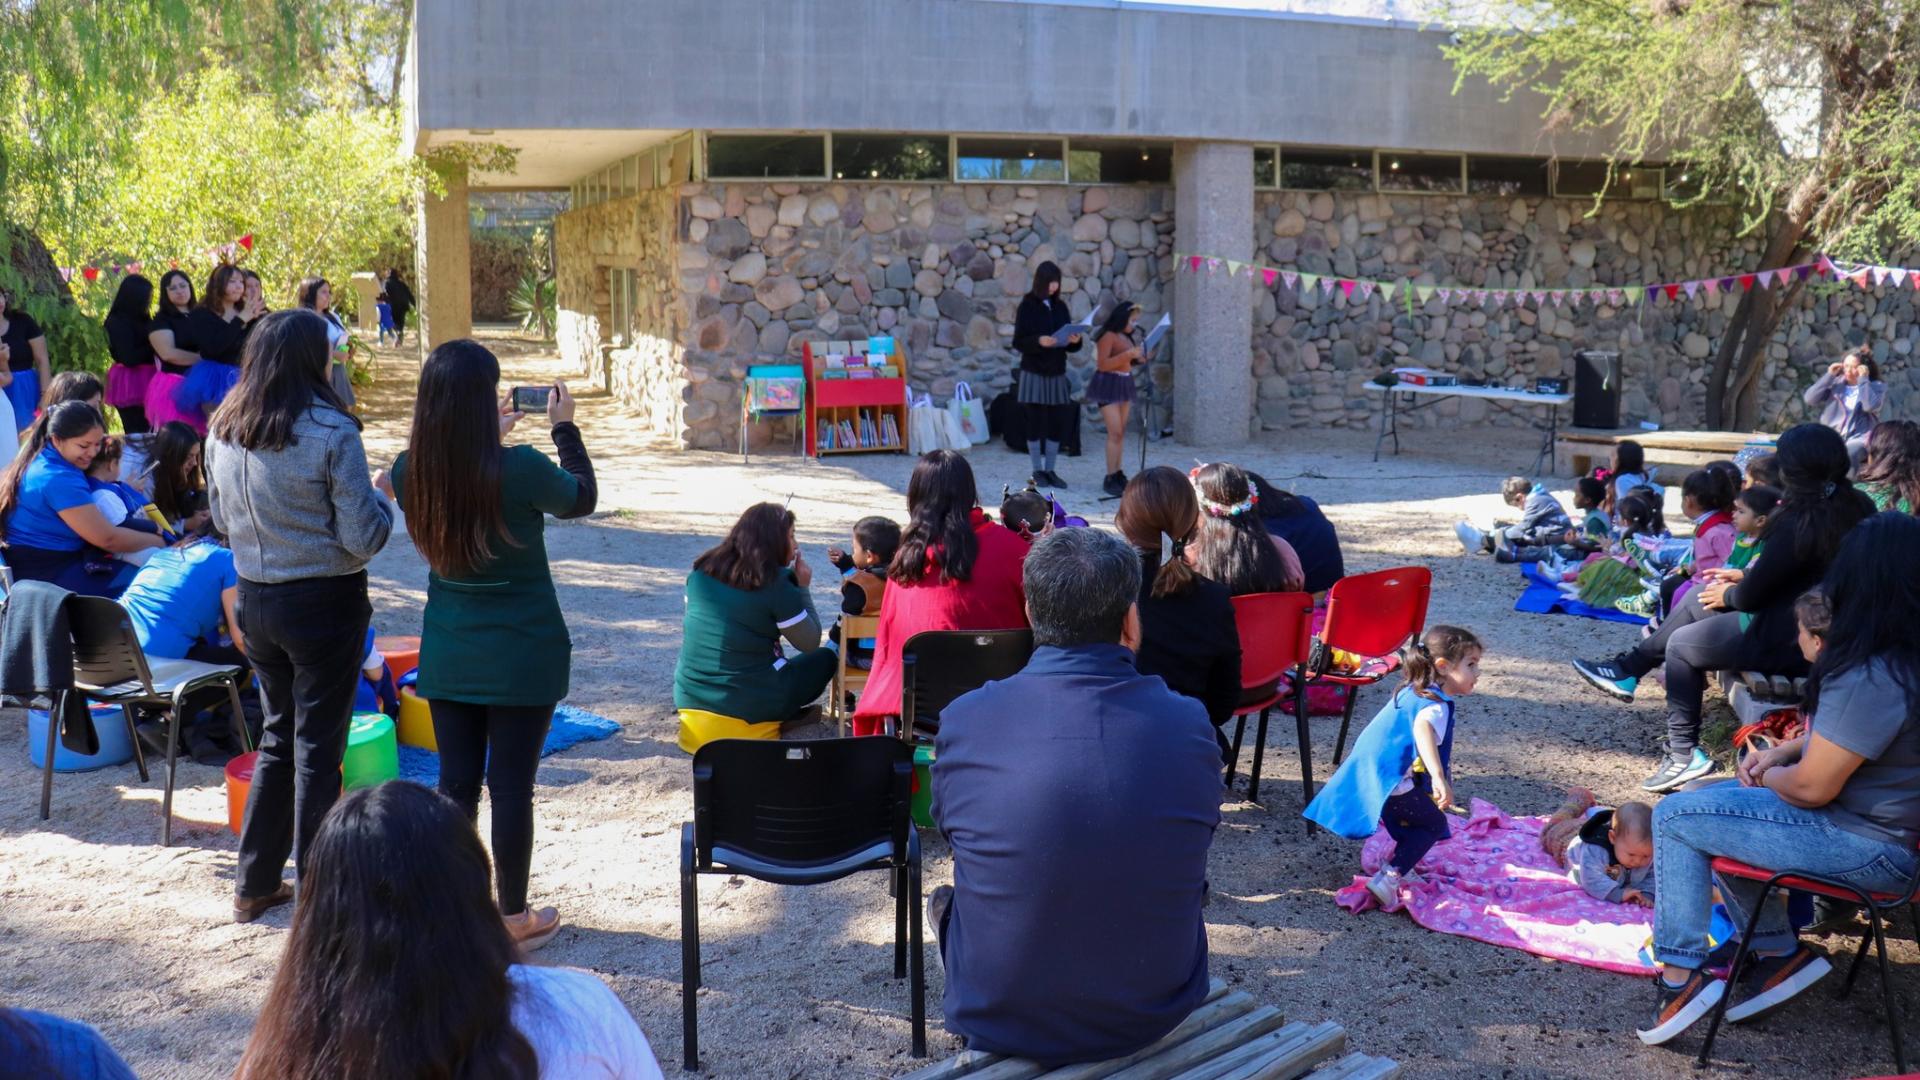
(1849,396)
(288,485)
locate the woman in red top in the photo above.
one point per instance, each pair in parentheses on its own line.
(955,570)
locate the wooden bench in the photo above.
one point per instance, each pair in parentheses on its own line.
(1577,450)
(1229,1037)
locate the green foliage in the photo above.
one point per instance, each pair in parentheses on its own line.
(500,257)
(534,302)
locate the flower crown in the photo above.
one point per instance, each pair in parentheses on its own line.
(1218,509)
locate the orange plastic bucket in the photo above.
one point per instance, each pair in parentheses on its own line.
(402,653)
(239,782)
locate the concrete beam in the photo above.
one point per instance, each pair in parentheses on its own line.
(1213,352)
(443,261)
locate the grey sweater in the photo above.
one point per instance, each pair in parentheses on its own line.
(307,511)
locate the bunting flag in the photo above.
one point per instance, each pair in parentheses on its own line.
(1424,292)
(1444,294)
(1309,281)
(1269,274)
(1365,289)
(1346,288)
(93,272)
(1290,278)
(1387,289)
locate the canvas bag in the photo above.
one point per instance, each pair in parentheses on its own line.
(971,413)
(926,425)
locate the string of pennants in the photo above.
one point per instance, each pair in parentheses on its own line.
(1864,275)
(226,252)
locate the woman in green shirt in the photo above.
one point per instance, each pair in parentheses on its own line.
(746,595)
(494,651)
(1891,473)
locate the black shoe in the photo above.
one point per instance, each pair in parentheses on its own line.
(1038,480)
(1053,479)
(1769,982)
(1678,1008)
(1608,677)
(1115,484)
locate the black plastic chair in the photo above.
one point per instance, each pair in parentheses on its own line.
(802,813)
(938,666)
(110,667)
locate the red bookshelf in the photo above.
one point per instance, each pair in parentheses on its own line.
(834,400)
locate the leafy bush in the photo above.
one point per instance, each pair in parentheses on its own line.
(533,303)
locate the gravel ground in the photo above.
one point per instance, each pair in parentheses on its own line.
(99,922)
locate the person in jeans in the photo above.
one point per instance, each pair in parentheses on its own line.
(1080,798)
(1842,801)
(288,485)
(477,512)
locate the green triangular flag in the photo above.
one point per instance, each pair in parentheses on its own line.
(1424,292)
(1386,290)
(1633,295)
(1308,281)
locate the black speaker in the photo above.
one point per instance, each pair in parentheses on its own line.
(1596,389)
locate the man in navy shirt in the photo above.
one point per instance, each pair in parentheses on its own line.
(1079,797)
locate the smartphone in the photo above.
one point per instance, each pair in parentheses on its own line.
(531,399)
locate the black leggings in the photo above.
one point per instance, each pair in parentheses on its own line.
(501,742)
(1693,642)
(1049,423)
(133,419)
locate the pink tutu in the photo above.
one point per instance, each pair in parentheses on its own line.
(160,406)
(128,385)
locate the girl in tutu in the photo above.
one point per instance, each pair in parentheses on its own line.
(219,327)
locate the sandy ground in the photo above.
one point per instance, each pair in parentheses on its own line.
(99,922)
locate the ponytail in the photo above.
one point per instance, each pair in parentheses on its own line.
(1160,503)
(1420,658)
(64,420)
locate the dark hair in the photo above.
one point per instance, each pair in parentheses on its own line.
(133,300)
(1419,658)
(1709,487)
(1814,613)
(308,294)
(215,298)
(168,454)
(74,386)
(1514,485)
(282,374)
(452,488)
(1875,598)
(1589,493)
(395,966)
(1634,820)
(1236,549)
(1116,321)
(111,449)
(1080,584)
(941,496)
(1727,469)
(1628,457)
(754,549)
(1160,502)
(1639,513)
(1759,499)
(1764,469)
(1047,273)
(1274,502)
(1818,504)
(1893,461)
(166,282)
(65,420)
(1026,512)
(1865,356)
(879,536)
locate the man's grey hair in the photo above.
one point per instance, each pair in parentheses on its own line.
(1080,583)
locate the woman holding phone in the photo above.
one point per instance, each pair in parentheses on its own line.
(494,652)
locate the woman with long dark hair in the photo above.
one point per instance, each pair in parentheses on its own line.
(957,569)
(1232,545)
(1890,475)
(174,352)
(316,295)
(1842,801)
(745,597)
(127,324)
(1042,388)
(1299,521)
(477,513)
(287,482)
(1187,631)
(1111,387)
(23,345)
(397,965)
(219,327)
(175,476)
(47,514)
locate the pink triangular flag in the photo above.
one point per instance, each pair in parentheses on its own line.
(1271,275)
(1616,297)
(1825,266)
(1366,289)
(1444,294)
(1713,289)
(1212,265)
(66,273)
(1193,263)
(1327,285)
(1557,296)
(1289,277)
(1346,287)
(1783,276)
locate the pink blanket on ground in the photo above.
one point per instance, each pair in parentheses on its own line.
(1492,882)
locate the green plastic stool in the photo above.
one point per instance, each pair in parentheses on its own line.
(922,805)
(373,751)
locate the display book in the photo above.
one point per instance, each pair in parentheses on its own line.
(857,402)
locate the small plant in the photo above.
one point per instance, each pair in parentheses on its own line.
(532,302)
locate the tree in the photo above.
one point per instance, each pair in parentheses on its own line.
(1808,109)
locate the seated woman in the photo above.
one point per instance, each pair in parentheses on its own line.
(1891,473)
(175,478)
(956,570)
(402,967)
(1849,397)
(1299,521)
(1187,631)
(1842,801)
(1232,545)
(745,595)
(179,602)
(47,514)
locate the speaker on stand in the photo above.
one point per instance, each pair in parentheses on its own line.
(1596,389)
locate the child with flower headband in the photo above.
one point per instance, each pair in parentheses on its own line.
(1232,545)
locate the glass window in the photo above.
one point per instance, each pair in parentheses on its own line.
(889,157)
(1102,162)
(755,157)
(1508,176)
(1682,185)
(1326,170)
(1589,178)
(1266,166)
(1009,159)
(1400,171)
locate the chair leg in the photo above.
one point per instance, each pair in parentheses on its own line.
(689,954)
(133,736)
(1859,961)
(54,709)
(1305,729)
(917,989)
(1886,987)
(1239,730)
(1739,959)
(1346,721)
(1259,752)
(173,758)
(900,886)
(239,716)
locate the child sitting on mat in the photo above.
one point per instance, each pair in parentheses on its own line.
(1605,579)
(1606,851)
(864,578)
(1399,776)
(1543,521)
(1706,497)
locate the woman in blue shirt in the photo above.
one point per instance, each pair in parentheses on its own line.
(180,599)
(47,515)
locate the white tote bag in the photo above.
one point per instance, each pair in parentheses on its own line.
(971,412)
(926,425)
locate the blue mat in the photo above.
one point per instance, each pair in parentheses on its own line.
(571,727)
(1543,597)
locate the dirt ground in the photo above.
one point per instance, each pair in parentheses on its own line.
(99,922)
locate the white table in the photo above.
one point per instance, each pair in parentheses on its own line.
(1401,398)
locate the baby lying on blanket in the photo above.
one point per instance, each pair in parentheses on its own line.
(1607,852)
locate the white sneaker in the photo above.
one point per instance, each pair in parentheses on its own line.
(1474,540)
(1385,887)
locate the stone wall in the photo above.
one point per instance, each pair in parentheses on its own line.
(1312,354)
(650,373)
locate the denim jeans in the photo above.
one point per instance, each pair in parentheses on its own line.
(1754,826)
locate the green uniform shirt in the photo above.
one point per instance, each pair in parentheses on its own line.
(730,646)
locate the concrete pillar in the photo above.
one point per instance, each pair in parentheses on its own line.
(443,265)
(1212,312)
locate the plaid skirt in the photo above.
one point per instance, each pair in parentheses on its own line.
(1044,389)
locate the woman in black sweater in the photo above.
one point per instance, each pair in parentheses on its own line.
(127,324)
(1187,632)
(1042,386)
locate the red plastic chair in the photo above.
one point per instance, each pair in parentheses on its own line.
(1275,634)
(1874,903)
(1370,616)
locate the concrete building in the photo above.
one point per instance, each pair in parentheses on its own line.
(746,175)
